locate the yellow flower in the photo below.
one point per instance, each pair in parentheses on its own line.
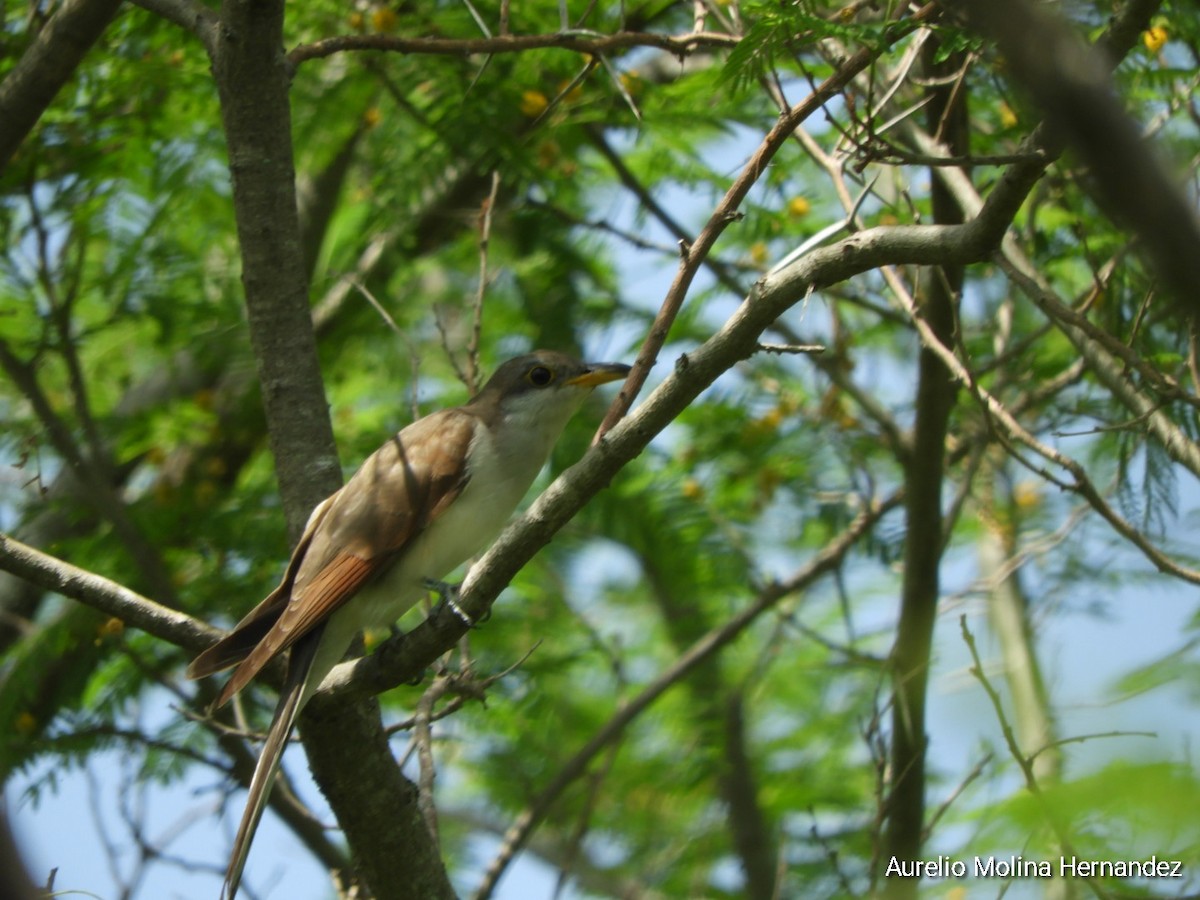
(533,103)
(548,154)
(771,419)
(1008,118)
(204,492)
(204,398)
(372,117)
(1027,495)
(798,207)
(768,481)
(692,489)
(1155,38)
(758,253)
(111,627)
(384,19)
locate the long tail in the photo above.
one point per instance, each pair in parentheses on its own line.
(291,700)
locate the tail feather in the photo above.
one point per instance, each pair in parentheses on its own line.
(291,700)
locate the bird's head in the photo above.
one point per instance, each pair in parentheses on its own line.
(543,389)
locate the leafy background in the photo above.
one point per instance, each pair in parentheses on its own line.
(764,771)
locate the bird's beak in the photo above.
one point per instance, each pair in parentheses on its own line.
(600,373)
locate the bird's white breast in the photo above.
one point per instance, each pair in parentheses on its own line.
(500,474)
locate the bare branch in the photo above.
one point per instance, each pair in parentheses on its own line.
(586,43)
(98,592)
(1079,481)
(94,482)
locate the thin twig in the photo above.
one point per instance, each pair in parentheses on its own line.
(726,211)
(588,43)
(485,236)
(1024,762)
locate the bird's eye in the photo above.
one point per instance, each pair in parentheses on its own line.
(540,376)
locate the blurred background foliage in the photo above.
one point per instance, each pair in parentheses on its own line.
(130,407)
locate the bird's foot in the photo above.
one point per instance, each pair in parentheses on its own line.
(449,594)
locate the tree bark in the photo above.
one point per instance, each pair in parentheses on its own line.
(252,78)
(347,747)
(374,802)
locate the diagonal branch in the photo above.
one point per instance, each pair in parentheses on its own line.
(191,15)
(727,210)
(401,659)
(46,66)
(100,593)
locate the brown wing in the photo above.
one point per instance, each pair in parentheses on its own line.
(245,635)
(401,487)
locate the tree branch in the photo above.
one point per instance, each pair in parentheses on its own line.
(401,659)
(727,210)
(252,83)
(586,43)
(829,557)
(926,529)
(47,65)
(107,596)
(191,15)
(1071,82)
(94,482)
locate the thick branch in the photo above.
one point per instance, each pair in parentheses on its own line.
(47,65)
(351,760)
(924,478)
(1070,81)
(346,744)
(191,15)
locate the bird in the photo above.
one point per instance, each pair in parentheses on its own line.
(434,495)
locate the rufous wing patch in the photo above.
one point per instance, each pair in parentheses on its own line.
(331,588)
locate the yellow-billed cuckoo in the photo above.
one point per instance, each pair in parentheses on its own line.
(422,504)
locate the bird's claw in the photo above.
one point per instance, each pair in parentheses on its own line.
(442,588)
(449,594)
